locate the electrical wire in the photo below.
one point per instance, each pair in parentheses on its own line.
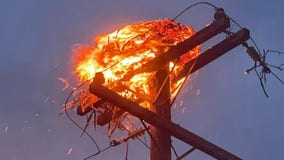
(103,150)
(163,84)
(186,153)
(261,83)
(74,122)
(147,130)
(277,67)
(145,144)
(174,150)
(183,83)
(277,77)
(126,152)
(275,51)
(191,6)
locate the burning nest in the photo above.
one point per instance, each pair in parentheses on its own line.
(123,51)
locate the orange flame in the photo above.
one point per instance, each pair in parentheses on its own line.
(127,49)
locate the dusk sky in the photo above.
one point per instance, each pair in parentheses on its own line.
(231,110)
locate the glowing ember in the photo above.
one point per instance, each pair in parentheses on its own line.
(198,92)
(66,84)
(6,129)
(69,151)
(127,49)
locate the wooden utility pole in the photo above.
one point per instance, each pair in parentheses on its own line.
(166,125)
(160,139)
(159,116)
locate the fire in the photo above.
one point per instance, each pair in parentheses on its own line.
(127,49)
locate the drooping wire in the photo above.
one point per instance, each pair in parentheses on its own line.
(164,83)
(103,150)
(145,144)
(174,150)
(147,130)
(277,77)
(126,152)
(183,83)
(261,83)
(186,153)
(88,122)
(274,51)
(179,87)
(276,67)
(74,122)
(256,46)
(191,6)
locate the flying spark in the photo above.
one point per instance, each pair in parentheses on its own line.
(46,100)
(6,129)
(65,83)
(198,92)
(69,151)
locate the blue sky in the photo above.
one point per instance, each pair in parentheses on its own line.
(231,111)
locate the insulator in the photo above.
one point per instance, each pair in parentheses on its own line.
(253,54)
(265,69)
(219,14)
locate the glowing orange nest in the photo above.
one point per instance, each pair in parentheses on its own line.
(125,50)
